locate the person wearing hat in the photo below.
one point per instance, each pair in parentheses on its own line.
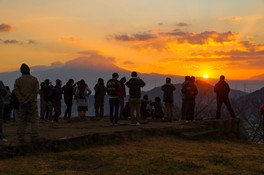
(26,89)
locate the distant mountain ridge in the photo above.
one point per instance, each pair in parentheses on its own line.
(94,66)
(87,68)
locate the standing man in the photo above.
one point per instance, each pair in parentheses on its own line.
(168,89)
(68,91)
(222,89)
(112,88)
(3,93)
(100,91)
(26,89)
(135,84)
(56,96)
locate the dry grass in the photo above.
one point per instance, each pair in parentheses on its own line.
(154,155)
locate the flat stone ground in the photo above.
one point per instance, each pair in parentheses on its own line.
(77,127)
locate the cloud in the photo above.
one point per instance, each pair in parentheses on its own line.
(69,39)
(5,28)
(12,42)
(32,42)
(135,37)
(233,18)
(128,62)
(179,36)
(182,24)
(203,37)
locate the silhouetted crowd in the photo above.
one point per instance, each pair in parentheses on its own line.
(23,101)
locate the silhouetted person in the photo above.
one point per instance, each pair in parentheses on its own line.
(41,100)
(3,93)
(222,90)
(184,98)
(7,106)
(15,103)
(135,84)
(145,108)
(113,87)
(122,95)
(26,89)
(157,112)
(56,96)
(168,98)
(190,91)
(100,92)
(82,94)
(47,103)
(68,92)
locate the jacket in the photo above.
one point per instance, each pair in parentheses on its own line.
(221,89)
(168,89)
(134,85)
(26,88)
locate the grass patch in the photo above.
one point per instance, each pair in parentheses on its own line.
(150,156)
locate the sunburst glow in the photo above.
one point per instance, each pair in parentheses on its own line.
(205,76)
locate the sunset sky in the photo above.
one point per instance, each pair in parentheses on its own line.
(180,37)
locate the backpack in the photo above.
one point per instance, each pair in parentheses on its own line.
(81,94)
(112,87)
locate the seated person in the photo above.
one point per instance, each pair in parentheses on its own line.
(157,111)
(144,109)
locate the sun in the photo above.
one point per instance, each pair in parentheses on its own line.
(205,76)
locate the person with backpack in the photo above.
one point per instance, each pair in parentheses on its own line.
(82,94)
(3,93)
(112,88)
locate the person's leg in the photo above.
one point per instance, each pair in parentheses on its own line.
(183,110)
(97,110)
(22,124)
(132,107)
(34,125)
(218,110)
(116,104)
(101,111)
(111,103)
(229,108)
(121,107)
(137,107)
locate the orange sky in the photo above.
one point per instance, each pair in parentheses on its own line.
(162,36)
